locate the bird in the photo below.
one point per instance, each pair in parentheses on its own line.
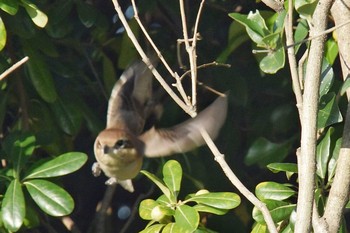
(120,148)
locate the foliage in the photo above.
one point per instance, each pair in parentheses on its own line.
(169,214)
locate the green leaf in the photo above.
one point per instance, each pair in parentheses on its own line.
(263,152)
(327,77)
(51,198)
(159,183)
(146,207)
(331,50)
(328,113)
(323,154)
(19,146)
(174,228)
(332,164)
(187,217)
(3,34)
(87,13)
(59,166)
(221,200)
(289,168)
(172,176)
(210,209)
(279,211)
(40,75)
(345,85)
(9,6)
(13,207)
(109,74)
(68,116)
(153,229)
(38,17)
(306,8)
(255,26)
(259,228)
(273,191)
(300,34)
(273,62)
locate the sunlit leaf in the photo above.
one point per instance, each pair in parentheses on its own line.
(37,16)
(9,6)
(146,207)
(306,8)
(259,228)
(153,229)
(345,85)
(273,191)
(159,183)
(172,175)
(328,112)
(187,217)
(59,166)
(279,211)
(327,77)
(289,168)
(332,164)
(51,198)
(13,206)
(3,34)
(273,62)
(323,154)
(174,228)
(331,50)
(301,33)
(210,209)
(221,200)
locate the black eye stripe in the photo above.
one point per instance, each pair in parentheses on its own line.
(122,143)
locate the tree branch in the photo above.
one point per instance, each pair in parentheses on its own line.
(306,160)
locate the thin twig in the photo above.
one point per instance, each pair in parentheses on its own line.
(13,67)
(292,59)
(301,63)
(214,63)
(188,109)
(165,63)
(102,212)
(220,158)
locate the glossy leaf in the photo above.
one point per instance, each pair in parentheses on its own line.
(38,17)
(323,154)
(327,77)
(279,211)
(128,52)
(221,200)
(13,207)
(301,33)
(174,228)
(259,228)
(3,34)
(255,25)
(153,229)
(289,168)
(273,62)
(109,73)
(332,164)
(59,166)
(305,8)
(9,6)
(263,152)
(159,183)
(273,191)
(331,50)
(345,86)
(51,198)
(210,209)
(187,217)
(172,175)
(40,75)
(146,207)
(328,112)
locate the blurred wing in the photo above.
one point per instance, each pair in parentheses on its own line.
(129,96)
(186,136)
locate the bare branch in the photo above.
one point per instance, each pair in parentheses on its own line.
(306,160)
(13,67)
(274,4)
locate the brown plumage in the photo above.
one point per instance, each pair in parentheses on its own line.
(119,149)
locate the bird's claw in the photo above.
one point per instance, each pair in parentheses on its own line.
(96,169)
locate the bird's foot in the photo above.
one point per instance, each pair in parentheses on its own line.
(96,169)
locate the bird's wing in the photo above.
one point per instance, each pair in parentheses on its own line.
(129,97)
(185,136)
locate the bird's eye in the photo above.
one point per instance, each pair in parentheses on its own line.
(120,143)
